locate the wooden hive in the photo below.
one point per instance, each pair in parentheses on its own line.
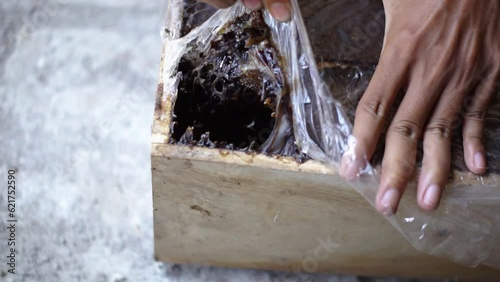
(236,209)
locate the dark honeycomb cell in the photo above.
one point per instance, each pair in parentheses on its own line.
(231,93)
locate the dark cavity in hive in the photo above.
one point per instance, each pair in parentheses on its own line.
(234,94)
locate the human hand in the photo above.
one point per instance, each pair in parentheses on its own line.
(280,9)
(441,52)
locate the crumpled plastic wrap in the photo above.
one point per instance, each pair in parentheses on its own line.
(323,88)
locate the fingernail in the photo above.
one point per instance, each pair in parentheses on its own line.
(431,196)
(280,11)
(253,4)
(389,201)
(479,161)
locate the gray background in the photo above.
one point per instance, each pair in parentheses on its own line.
(77,84)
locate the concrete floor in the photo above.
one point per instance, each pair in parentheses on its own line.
(77,84)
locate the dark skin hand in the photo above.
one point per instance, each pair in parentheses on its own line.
(446,54)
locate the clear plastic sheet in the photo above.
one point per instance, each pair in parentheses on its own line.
(465,229)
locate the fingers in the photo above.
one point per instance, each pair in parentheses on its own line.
(279,9)
(398,165)
(437,140)
(399,162)
(436,163)
(221,4)
(372,111)
(473,127)
(401,142)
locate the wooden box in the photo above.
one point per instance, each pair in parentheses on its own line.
(234,209)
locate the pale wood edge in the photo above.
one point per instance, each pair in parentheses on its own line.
(284,163)
(230,157)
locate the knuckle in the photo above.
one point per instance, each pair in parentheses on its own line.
(375,107)
(473,138)
(440,128)
(406,128)
(476,114)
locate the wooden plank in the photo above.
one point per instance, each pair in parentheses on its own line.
(253,211)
